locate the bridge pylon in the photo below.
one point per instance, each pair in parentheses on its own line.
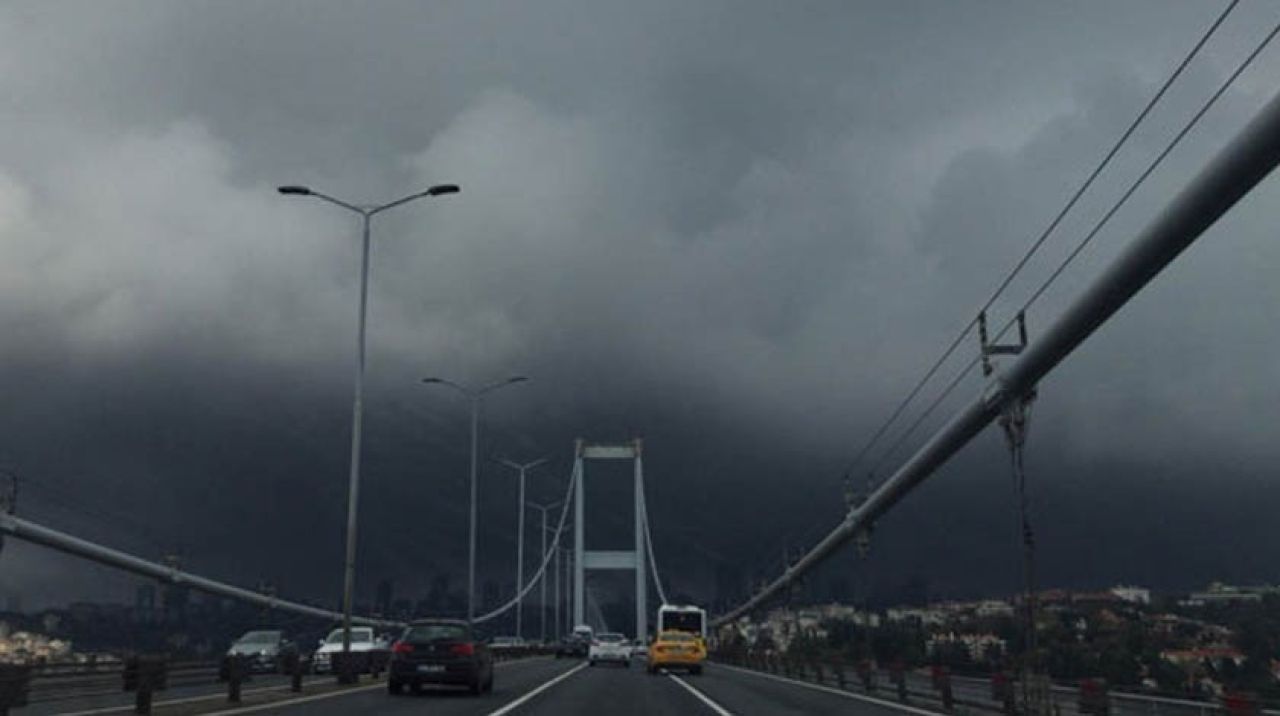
(592,560)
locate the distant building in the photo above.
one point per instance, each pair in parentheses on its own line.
(1219,593)
(383,599)
(175,596)
(978,646)
(993,608)
(1133,595)
(145,603)
(1215,655)
(925,616)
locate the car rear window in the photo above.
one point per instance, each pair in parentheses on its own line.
(357,636)
(676,637)
(610,637)
(436,632)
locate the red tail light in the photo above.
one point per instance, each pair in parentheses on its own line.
(401,648)
(463,649)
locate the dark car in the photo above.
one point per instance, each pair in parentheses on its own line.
(440,651)
(264,650)
(572,647)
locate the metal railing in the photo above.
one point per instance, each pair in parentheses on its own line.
(145,675)
(937,688)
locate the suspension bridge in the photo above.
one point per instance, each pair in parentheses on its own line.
(528,681)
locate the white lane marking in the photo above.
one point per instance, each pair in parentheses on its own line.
(246,692)
(838,692)
(258,690)
(720,710)
(177,702)
(300,700)
(524,699)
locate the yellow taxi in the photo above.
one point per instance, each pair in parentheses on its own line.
(677,650)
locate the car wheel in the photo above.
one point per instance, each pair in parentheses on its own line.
(394,687)
(695,670)
(488,684)
(591,662)
(476,686)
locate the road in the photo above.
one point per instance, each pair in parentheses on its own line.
(547,686)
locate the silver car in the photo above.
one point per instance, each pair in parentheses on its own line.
(362,641)
(265,649)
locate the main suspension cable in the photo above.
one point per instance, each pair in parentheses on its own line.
(1040,240)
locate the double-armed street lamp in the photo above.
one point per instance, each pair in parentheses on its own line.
(353,486)
(542,598)
(521,468)
(474,395)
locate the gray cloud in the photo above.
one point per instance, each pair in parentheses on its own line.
(737,230)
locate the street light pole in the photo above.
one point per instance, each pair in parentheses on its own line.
(357,428)
(474,395)
(558,632)
(542,596)
(357,404)
(522,469)
(570,560)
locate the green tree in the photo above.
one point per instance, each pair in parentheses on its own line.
(1119,667)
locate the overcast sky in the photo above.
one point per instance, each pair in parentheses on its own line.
(739,230)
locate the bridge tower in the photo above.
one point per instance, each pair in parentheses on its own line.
(585,560)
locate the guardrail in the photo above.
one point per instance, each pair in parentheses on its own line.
(936,687)
(146,674)
(896,683)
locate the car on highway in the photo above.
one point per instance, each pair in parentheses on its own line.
(677,650)
(440,651)
(610,647)
(363,642)
(572,646)
(508,642)
(266,651)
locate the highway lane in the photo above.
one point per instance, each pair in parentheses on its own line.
(615,690)
(531,687)
(511,681)
(545,686)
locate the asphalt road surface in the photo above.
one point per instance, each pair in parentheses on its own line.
(548,686)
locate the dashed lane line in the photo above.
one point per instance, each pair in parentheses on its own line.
(720,710)
(529,695)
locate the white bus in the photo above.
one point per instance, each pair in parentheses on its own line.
(685,618)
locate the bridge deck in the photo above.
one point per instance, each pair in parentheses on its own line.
(548,686)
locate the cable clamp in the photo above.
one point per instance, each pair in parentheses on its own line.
(993,349)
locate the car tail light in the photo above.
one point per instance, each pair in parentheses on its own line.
(463,649)
(401,648)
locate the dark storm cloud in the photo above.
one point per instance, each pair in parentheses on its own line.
(738,230)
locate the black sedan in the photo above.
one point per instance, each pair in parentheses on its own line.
(572,647)
(440,651)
